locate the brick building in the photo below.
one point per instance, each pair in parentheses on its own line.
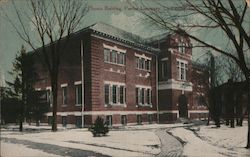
(127,79)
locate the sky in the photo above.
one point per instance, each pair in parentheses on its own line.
(113,12)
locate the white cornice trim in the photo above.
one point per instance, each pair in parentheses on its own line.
(164,59)
(114,83)
(181,60)
(143,56)
(78,113)
(115,48)
(64,85)
(143,86)
(125,45)
(178,85)
(77,82)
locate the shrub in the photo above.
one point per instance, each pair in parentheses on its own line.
(99,127)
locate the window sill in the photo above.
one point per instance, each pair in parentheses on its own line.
(78,105)
(106,105)
(183,80)
(144,70)
(64,105)
(114,63)
(145,105)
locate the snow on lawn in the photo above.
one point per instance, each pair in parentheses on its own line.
(18,150)
(117,143)
(209,141)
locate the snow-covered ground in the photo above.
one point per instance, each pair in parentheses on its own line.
(17,150)
(117,143)
(142,140)
(210,141)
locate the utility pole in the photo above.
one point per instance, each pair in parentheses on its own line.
(82,74)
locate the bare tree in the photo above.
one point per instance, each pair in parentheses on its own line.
(52,23)
(227,16)
(231,70)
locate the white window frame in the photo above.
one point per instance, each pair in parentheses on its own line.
(77,86)
(141,62)
(114,52)
(117,94)
(64,96)
(182,46)
(139,95)
(107,85)
(182,65)
(105,52)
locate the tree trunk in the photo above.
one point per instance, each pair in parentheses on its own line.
(248,112)
(21,124)
(54,92)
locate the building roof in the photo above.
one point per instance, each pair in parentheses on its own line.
(157,38)
(114,33)
(118,34)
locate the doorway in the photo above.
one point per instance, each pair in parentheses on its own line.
(183,108)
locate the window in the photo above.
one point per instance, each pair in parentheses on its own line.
(124,120)
(137,95)
(121,58)
(114,94)
(78,93)
(64,121)
(181,46)
(106,92)
(182,70)
(109,120)
(64,95)
(148,96)
(143,96)
(143,64)
(78,121)
(106,55)
(150,118)
(139,121)
(164,69)
(113,57)
(122,94)
(147,64)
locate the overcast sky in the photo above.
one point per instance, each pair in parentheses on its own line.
(114,12)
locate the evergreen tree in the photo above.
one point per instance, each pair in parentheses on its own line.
(99,127)
(22,86)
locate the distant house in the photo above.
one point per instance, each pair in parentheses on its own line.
(127,79)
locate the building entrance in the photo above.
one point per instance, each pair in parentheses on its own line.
(183,108)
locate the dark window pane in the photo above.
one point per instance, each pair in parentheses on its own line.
(114,92)
(106,88)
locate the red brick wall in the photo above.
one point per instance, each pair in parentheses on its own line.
(100,74)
